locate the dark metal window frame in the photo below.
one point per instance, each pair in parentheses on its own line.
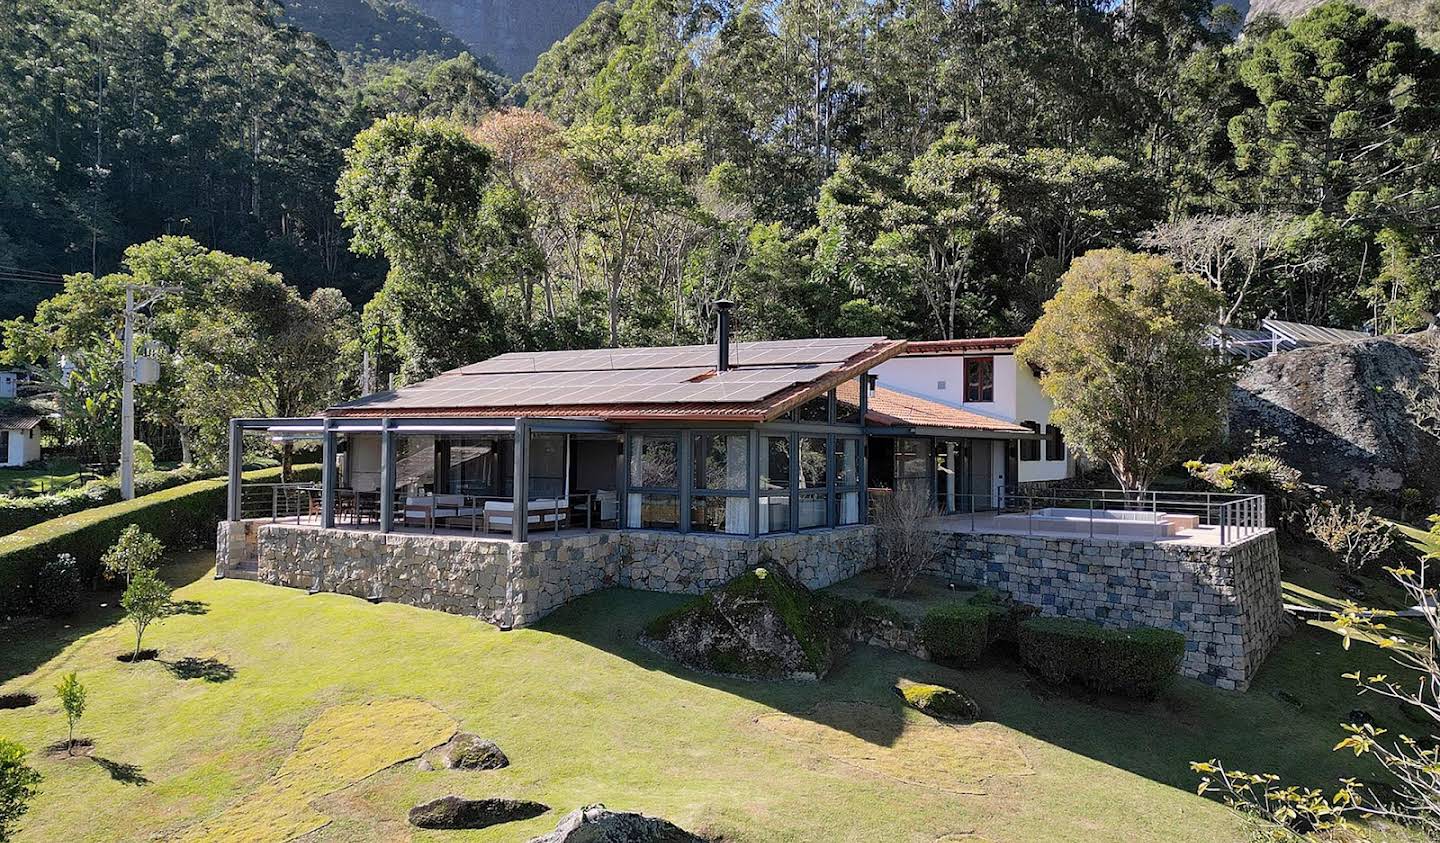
(988,360)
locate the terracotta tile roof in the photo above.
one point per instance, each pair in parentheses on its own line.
(891,408)
(969,344)
(19,416)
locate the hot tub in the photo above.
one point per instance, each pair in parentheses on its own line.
(1120,523)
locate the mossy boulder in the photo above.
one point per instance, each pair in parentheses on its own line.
(763,624)
(939,701)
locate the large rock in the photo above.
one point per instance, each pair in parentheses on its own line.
(598,824)
(457,812)
(1338,414)
(762,624)
(465,752)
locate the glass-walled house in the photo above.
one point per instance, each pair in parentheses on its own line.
(744,439)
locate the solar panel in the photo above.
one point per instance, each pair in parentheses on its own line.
(682,374)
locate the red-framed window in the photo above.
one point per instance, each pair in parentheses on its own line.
(979,379)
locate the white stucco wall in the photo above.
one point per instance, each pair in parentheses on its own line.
(24,447)
(1017,399)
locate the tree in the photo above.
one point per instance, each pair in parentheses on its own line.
(72,702)
(146,600)
(1357,536)
(1120,351)
(906,538)
(135,550)
(17,785)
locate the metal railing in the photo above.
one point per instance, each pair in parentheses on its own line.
(301,503)
(1114,513)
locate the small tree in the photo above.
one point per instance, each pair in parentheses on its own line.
(134,551)
(146,600)
(1357,536)
(17,785)
(72,700)
(1121,353)
(906,538)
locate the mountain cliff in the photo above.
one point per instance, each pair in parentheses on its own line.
(515,32)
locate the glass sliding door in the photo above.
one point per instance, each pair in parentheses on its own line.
(719,499)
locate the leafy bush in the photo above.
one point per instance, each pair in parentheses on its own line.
(144,457)
(1008,614)
(57,586)
(1256,472)
(181,517)
(134,551)
(17,785)
(1356,536)
(938,701)
(1137,662)
(958,633)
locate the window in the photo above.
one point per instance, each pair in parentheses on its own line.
(914,469)
(847,402)
(1054,443)
(775,484)
(847,480)
(816,410)
(720,501)
(979,379)
(654,498)
(654,463)
(1030,448)
(814,496)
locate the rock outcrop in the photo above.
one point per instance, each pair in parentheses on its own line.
(598,824)
(465,752)
(763,624)
(457,812)
(1338,414)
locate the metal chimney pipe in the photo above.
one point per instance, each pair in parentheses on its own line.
(722,333)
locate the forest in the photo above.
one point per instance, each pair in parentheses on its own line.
(913,168)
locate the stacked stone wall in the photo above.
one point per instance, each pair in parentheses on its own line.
(1225,601)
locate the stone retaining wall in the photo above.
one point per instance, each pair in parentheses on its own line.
(1225,601)
(511,584)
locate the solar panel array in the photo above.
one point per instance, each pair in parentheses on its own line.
(683,374)
(771,353)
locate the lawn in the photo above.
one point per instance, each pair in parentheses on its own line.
(331,691)
(41,479)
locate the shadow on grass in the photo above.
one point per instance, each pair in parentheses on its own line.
(189,607)
(27,643)
(122,772)
(210,670)
(1257,731)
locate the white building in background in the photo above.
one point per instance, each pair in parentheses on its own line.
(19,440)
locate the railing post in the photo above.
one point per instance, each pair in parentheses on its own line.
(274,503)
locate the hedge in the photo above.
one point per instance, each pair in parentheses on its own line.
(181,517)
(958,633)
(1137,662)
(18,513)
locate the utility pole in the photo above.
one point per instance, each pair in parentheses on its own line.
(127,401)
(127,388)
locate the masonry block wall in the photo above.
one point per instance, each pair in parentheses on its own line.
(1225,601)
(511,584)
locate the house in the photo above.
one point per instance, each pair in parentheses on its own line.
(507,487)
(19,434)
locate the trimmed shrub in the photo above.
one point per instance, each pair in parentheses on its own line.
(938,701)
(57,587)
(1137,662)
(18,513)
(182,517)
(958,633)
(1005,624)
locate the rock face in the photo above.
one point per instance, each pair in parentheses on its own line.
(515,33)
(455,812)
(598,824)
(465,752)
(1338,414)
(763,624)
